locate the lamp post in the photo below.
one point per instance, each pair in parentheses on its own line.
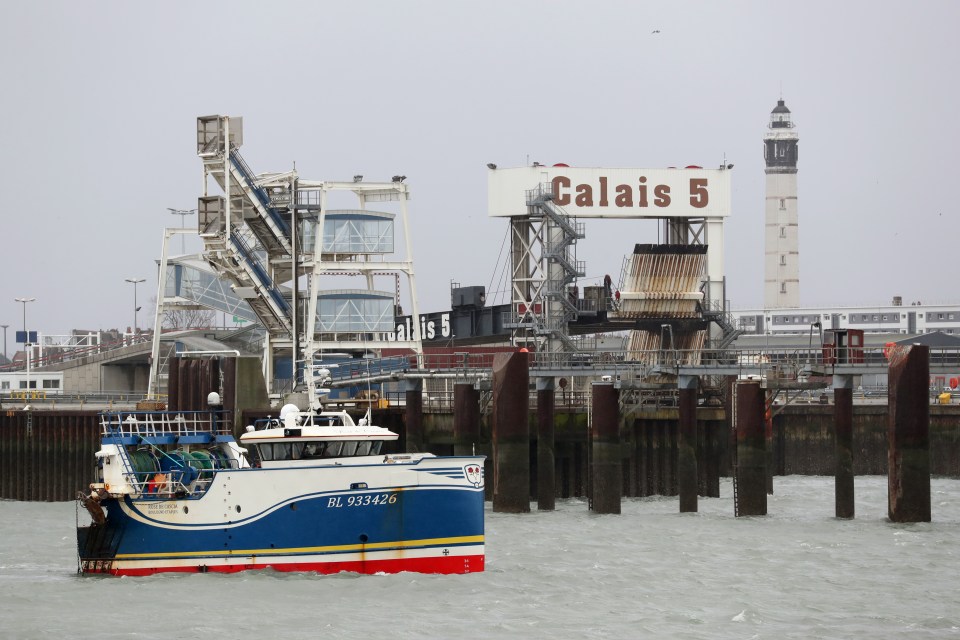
(26,336)
(183,213)
(134,282)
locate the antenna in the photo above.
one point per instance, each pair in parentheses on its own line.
(317,375)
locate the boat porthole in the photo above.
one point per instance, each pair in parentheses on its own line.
(363,537)
(186,509)
(238,508)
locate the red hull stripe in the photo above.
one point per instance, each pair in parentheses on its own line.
(449,564)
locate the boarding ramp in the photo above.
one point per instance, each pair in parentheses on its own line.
(190,283)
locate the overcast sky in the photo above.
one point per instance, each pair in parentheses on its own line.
(100,100)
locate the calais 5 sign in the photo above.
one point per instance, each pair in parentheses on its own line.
(626,195)
(613,193)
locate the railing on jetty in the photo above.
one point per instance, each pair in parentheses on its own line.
(647,378)
(58,399)
(779,363)
(61,355)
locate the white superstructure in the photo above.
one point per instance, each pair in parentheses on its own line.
(896,317)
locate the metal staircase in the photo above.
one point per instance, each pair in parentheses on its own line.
(237,257)
(242,229)
(267,215)
(269,221)
(713,312)
(269,303)
(551,251)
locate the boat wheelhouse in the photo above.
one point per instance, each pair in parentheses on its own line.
(313,438)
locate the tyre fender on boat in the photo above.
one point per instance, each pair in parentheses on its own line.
(92,504)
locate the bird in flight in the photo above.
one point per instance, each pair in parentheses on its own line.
(655,31)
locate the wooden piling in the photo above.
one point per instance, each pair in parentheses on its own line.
(173,384)
(546,473)
(511,432)
(716,435)
(607,466)
(751,450)
(49,460)
(687,444)
(188,384)
(466,419)
(413,422)
(768,439)
(908,435)
(652,459)
(669,431)
(843,430)
(643,458)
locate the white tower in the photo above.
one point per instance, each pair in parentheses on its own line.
(781,272)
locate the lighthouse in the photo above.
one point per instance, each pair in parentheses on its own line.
(781,271)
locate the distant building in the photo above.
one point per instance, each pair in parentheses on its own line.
(781,271)
(46,382)
(896,317)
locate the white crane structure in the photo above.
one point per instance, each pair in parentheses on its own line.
(318,279)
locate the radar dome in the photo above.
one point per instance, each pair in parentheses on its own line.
(288,409)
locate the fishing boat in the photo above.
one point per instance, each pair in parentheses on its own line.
(306,491)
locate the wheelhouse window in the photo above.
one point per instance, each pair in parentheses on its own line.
(280,450)
(271,451)
(363,448)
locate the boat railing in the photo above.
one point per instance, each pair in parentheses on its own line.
(330,419)
(175,474)
(184,427)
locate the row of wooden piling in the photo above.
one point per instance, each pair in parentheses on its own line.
(908,446)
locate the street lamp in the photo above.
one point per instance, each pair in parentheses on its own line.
(26,336)
(183,213)
(24,301)
(134,282)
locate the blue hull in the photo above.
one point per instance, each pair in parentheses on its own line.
(420,528)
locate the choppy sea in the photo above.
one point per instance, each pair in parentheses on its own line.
(648,573)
